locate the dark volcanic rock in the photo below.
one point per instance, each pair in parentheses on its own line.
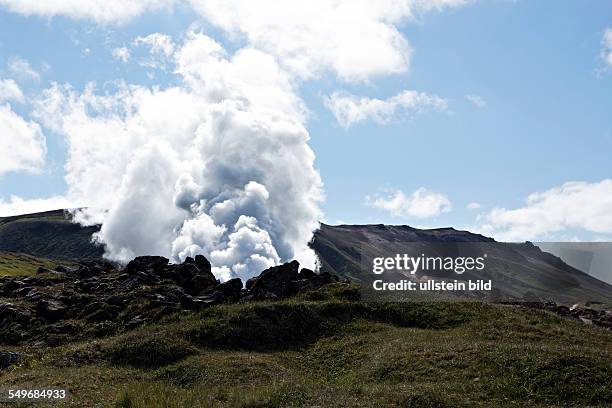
(148,264)
(195,280)
(230,290)
(95,298)
(51,309)
(10,313)
(101,311)
(201,262)
(42,270)
(65,269)
(8,358)
(274,282)
(306,273)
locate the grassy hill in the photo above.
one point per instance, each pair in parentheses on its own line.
(49,235)
(336,353)
(13,264)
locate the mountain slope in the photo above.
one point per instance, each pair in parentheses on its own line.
(49,234)
(519,271)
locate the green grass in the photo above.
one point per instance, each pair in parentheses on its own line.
(337,353)
(14,264)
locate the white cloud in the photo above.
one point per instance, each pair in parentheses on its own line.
(573,205)
(350,109)
(18,206)
(22,143)
(22,69)
(161,48)
(355,39)
(420,204)
(10,91)
(158,43)
(121,54)
(217,164)
(473,206)
(103,12)
(476,100)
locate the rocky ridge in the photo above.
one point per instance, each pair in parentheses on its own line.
(96,298)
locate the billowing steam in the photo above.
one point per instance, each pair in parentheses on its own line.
(216,165)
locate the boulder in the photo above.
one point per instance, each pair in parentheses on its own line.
(42,270)
(187,271)
(230,290)
(101,311)
(65,269)
(195,276)
(200,284)
(274,282)
(203,264)
(8,358)
(10,313)
(148,264)
(51,309)
(306,273)
(135,322)
(250,282)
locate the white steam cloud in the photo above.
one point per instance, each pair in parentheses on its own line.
(218,165)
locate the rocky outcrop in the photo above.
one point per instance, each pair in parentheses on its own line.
(286,280)
(97,298)
(578,312)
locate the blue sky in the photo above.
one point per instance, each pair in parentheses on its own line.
(535,66)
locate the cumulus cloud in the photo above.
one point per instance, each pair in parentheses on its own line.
(473,206)
(354,39)
(22,143)
(573,205)
(10,91)
(217,165)
(476,100)
(606,47)
(350,109)
(18,206)
(121,54)
(104,12)
(422,203)
(21,68)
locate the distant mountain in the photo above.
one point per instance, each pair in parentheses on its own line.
(517,270)
(48,234)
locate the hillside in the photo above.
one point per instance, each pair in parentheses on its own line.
(49,235)
(13,264)
(518,271)
(334,353)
